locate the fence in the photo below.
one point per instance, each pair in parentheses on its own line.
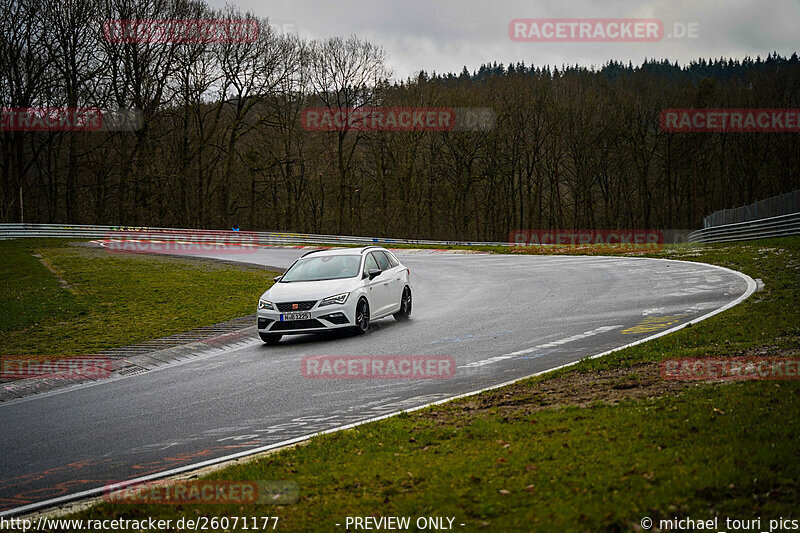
(781,226)
(783,204)
(778,216)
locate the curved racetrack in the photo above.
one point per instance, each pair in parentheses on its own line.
(500,317)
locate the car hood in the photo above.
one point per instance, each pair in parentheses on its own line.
(308,290)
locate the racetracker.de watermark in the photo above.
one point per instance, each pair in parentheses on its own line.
(398,119)
(734,120)
(36,367)
(648,239)
(196,491)
(69,119)
(180,31)
(730,368)
(176,242)
(377,367)
(589,30)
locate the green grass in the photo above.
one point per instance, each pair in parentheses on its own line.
(597,469)
(705,450)
(113,299)
(29,292)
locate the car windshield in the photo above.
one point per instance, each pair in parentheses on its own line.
(323,267)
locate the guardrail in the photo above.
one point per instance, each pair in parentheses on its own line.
(780,226)
(757,229)
(17,230)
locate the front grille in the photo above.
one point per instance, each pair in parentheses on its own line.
(288,307)
(336,318)
(297,324)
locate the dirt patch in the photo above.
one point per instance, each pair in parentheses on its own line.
(56,272)
(583,389)
(793,349)
(574,389)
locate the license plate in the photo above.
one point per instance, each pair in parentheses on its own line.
(295,316)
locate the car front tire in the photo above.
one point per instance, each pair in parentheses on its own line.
(362,317)
(270,338)
(405,306)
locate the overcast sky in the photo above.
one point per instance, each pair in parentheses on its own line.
(446,35)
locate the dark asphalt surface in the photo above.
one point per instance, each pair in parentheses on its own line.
(500,317)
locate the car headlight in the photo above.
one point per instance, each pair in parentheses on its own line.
(264,304)
(338,299)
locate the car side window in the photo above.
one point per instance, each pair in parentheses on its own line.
(383,263)
(392,260)
(370,264)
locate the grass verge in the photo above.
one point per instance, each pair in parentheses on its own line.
(595,447)
(60,299)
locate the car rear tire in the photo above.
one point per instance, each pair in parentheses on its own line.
(405,306)
(270,338)
(362,317)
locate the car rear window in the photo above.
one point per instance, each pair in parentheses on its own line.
(392,259)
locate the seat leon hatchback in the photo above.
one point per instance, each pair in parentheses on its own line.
(334,289)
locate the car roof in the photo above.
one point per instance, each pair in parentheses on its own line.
(343,251)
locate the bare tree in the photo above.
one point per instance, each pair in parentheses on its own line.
(345,74)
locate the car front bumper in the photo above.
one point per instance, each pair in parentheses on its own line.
(325,318)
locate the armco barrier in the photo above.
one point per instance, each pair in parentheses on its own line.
(17,230)
(77,231)
(780,226)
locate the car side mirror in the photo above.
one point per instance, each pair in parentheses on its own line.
(276,279)
(374,273)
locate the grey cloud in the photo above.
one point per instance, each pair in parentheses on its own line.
(445,35)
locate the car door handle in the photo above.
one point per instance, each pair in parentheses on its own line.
(385,282)
(397,278)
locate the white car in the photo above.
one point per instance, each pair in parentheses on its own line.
(333,289)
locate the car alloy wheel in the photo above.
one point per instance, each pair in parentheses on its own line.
(405,306)
(362,317)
